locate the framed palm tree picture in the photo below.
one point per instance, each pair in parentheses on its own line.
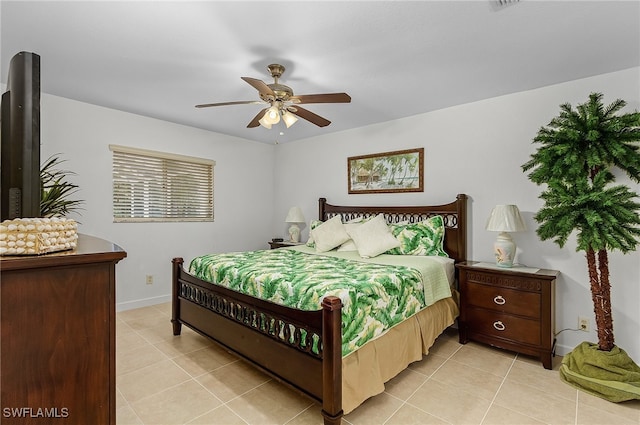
(397,171)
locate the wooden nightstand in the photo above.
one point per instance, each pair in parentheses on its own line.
(510,308)
(282,244)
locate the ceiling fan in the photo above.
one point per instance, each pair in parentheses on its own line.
(283,104)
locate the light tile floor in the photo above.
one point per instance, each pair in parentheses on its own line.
(164,380)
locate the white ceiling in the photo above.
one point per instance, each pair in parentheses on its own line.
(395,58)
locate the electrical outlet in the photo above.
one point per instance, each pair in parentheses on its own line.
(149,279)
(583,323)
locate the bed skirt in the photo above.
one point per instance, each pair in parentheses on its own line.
(365,371)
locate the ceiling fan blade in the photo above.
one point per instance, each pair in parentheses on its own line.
(322,98)
(259,85)
(309,116)
(255,122)
(240,102)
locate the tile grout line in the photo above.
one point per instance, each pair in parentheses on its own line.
(405,402)
(575,420)
(166,357)
(300,413)
(191,378)
(223,403)
(209,411)
(226,404)
(526,384)
(127,405)
(513,362)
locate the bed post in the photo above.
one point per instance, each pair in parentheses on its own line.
(461,207)
(332,360)
(175,289)
(321,203)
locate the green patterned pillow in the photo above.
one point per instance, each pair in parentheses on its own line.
(423,238)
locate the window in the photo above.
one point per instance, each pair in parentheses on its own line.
(156,186)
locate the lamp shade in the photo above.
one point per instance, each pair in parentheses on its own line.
(506,218)
(263,122)
(295,216)
(270,117)
(288,118)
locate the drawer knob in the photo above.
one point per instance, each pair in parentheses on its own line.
(499,325)
(499,300)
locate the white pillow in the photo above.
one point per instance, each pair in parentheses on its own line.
(312,225)
(329,234)
(349,245)
(373,237)
(355,220)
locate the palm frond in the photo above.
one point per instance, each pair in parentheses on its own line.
(56,190)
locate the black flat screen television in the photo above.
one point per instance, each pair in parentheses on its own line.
(20,144)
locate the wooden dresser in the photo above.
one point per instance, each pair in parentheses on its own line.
(57,350)
(510,308)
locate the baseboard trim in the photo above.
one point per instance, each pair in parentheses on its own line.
(145,302)
(562,350)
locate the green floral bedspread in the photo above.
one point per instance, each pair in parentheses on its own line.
(375,297)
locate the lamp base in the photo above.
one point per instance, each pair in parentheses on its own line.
(504,249)
(294,233)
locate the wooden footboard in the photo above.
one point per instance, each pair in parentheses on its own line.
(302,349)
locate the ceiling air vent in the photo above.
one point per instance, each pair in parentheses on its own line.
(498,4)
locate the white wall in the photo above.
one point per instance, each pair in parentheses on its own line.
(243,190)
(478,149)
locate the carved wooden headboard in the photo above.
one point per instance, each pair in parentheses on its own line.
(454,214)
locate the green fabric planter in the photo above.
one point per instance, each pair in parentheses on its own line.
(611,375)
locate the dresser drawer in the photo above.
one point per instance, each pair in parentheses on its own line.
(505,326)
(502,299)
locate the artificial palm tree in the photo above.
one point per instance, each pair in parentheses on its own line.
(579,149)
(55,190)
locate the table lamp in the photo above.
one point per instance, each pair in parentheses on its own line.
(294,217)
(505,219)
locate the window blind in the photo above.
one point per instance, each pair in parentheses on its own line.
(157,186)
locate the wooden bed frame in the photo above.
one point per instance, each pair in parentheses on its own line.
(278,339)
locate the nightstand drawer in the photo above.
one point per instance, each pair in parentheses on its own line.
(510,308)
(503,299)
(504,326)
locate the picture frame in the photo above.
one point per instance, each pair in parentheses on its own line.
(386,172)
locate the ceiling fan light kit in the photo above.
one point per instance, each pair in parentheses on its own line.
(283,103)
(288,118)
(270,117)
(264,123)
